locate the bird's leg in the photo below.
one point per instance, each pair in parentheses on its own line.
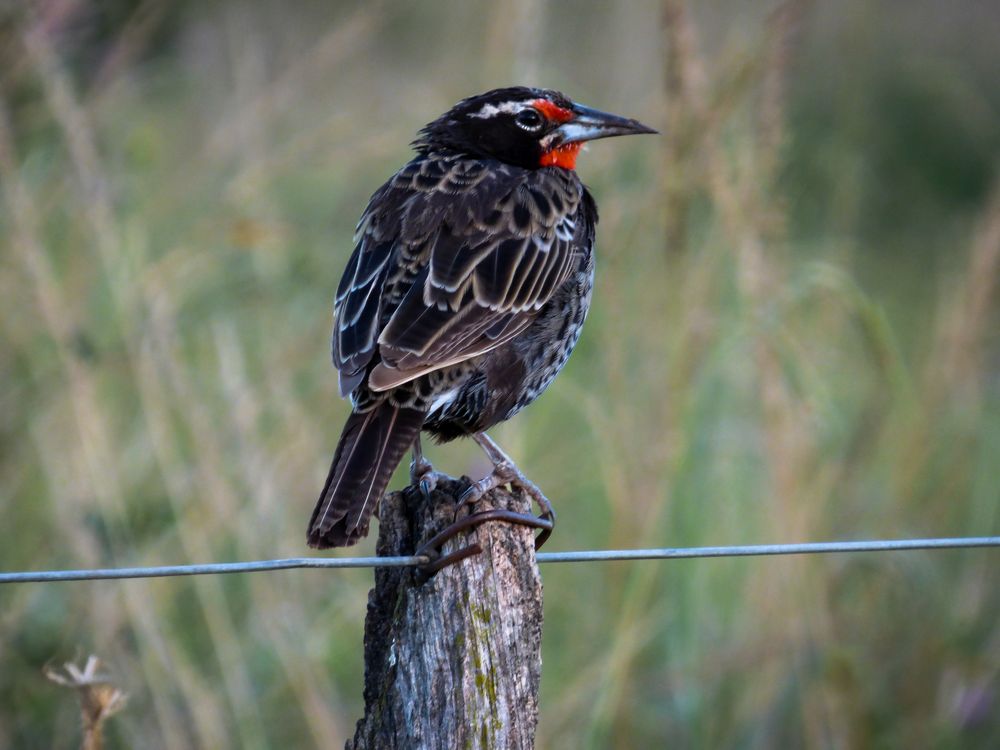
(422,472)
(505,471)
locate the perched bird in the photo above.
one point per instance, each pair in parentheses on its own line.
(466,292)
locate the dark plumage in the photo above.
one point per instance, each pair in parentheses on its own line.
(467,288)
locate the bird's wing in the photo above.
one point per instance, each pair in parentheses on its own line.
(494,257)
(360,297)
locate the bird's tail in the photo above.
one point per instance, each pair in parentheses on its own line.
(370,448)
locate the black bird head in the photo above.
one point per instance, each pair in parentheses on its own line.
(526,127)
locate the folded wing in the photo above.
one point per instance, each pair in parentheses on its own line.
(424,295)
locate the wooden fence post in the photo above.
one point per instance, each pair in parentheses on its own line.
(454,662)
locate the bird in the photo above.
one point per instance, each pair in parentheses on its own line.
(465,294)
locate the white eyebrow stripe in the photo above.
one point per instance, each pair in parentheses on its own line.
(492,110)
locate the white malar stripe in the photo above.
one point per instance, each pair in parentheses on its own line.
(492,110)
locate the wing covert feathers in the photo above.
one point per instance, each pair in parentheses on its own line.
(454,257)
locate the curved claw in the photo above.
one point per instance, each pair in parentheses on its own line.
(472,494)
(418,467)
(468,497)
(426,487)
(423,476)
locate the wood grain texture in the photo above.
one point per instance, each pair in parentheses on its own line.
(454,662)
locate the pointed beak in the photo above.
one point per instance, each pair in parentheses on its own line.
(590,124)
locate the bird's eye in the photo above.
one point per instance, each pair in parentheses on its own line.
(529,119)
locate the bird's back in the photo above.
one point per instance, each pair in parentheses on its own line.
(460,264)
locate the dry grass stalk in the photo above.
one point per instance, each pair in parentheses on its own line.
(98,448)
(957,366)
(99,698)
(685,86)
(740,179)
(783,26)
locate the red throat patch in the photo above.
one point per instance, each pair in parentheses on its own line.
(561,156)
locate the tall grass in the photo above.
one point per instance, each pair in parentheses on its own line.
(793,338)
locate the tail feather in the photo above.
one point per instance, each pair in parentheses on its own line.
(371,446)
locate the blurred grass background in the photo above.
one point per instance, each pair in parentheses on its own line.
(794,337)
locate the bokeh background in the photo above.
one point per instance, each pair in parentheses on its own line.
(795,336)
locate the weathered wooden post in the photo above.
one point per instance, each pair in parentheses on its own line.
(455,661)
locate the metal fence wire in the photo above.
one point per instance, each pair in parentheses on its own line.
(662,553)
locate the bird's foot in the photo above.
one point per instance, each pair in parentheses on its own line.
(424,477)
(422,474)
(506,472)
